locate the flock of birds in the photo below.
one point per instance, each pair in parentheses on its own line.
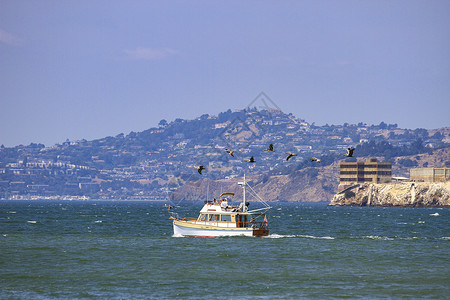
(270,149)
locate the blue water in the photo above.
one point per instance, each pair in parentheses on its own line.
(125,250)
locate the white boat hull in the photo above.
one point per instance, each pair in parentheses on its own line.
(180,230)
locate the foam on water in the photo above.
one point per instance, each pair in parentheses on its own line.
(376,237)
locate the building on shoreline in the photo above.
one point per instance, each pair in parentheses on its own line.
(429,174)
(370,171)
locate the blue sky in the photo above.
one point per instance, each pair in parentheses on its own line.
(90,69)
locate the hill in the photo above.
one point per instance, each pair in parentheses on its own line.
(159,161)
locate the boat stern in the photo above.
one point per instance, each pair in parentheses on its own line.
(261,231)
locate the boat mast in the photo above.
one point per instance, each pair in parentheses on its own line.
(243,198)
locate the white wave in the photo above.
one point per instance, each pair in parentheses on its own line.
(98,221)
(32,222)
(12,212)
(377,237)
(412,238)
(435,214)
(177,235)
(447,238)
(421,222)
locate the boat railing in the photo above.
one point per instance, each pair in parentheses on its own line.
(255,224)
(187,219)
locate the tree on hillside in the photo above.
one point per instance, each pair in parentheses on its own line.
(162,123)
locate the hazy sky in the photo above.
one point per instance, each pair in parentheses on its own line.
(90,69)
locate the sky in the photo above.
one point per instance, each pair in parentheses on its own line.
(90,69)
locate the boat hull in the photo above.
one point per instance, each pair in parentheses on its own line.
(183,228)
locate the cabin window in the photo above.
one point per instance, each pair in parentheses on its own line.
(226,218)
(203,217)
(213,218)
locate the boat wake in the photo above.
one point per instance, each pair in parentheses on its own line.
(279,236)
(365,237)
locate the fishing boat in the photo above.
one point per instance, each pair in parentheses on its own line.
(221,218)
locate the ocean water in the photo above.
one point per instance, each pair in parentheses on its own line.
(125,250)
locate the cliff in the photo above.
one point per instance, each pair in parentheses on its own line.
(406,194)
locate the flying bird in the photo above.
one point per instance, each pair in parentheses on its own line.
(290,155)
(200,169)
(349,152)
(229,151)
(315,159)
(251,160)
(270,148)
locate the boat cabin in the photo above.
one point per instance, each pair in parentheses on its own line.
(220,213)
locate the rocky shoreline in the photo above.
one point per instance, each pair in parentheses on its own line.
(401,194)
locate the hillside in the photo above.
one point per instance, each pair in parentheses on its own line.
(312,184)
(159,161)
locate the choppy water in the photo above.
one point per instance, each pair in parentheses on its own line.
(115,250)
